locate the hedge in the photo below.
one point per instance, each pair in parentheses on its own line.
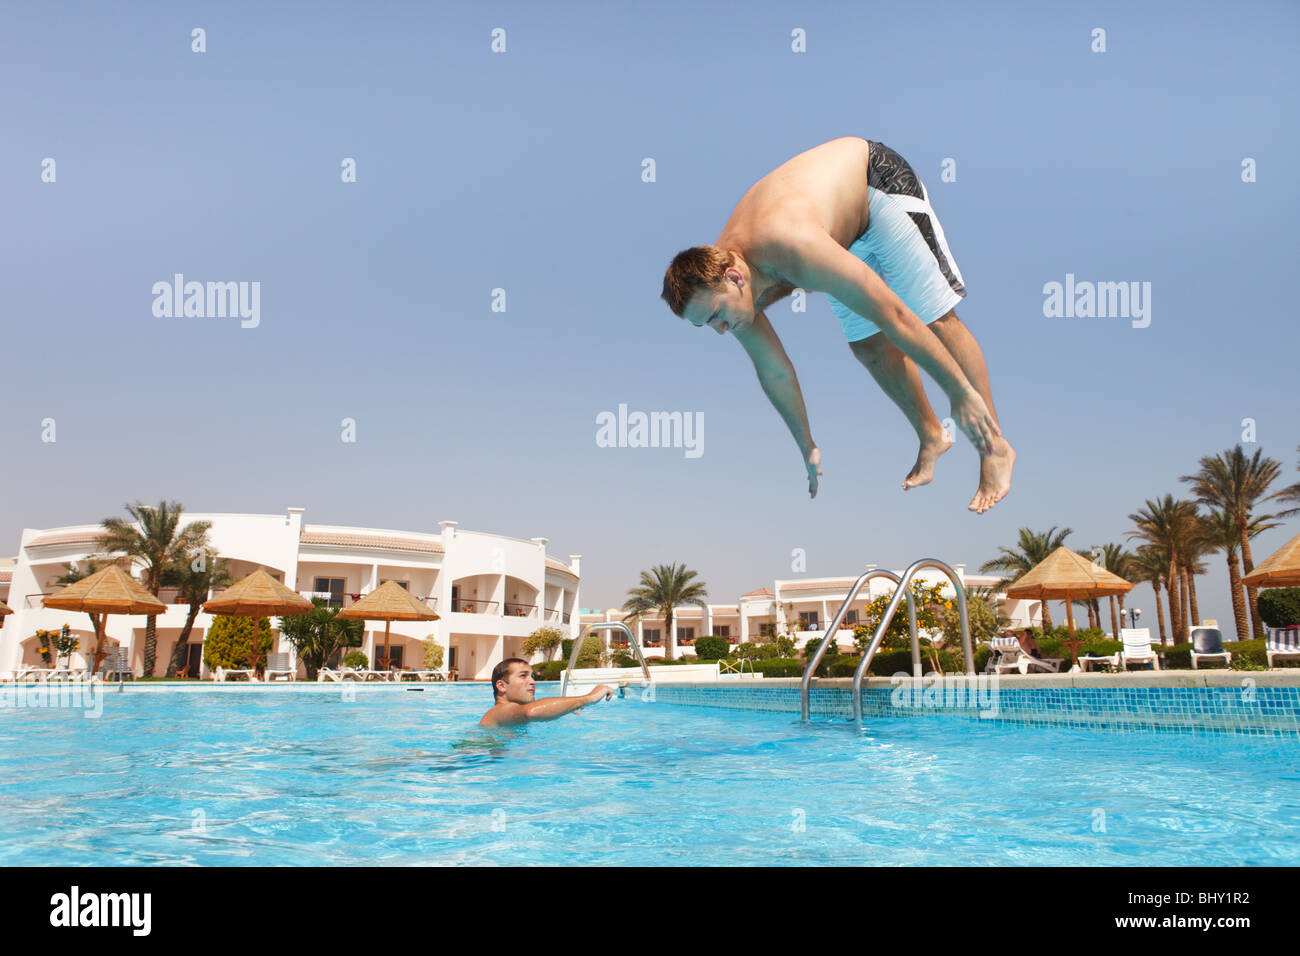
(711,648)
(1280,607)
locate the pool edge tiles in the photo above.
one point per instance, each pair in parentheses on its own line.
(1232,704)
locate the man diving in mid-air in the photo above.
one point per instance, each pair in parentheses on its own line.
(852,219)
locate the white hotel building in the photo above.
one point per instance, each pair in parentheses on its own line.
(807,605)
(491,591)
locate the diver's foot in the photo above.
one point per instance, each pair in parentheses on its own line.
(995,476)
(923,471)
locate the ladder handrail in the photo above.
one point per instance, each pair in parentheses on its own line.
(603,626)
(879,636)
(835,623)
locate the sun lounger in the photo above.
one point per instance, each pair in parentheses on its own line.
(1004,648)
(341,674)
(1207,644)
(1137,648)
(1282,644)
(1027,663)
(1089,661)
(249,672)
(278,665)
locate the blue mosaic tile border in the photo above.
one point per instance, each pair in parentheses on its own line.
(1202,711)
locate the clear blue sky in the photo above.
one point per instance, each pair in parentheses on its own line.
(522,170)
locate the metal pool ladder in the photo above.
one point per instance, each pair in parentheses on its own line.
(604,626)
(900,592)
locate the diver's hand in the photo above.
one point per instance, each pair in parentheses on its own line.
(604,690)
(814,471)
(976,421)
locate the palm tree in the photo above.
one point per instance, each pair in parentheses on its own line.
(1031,549)
(1118,562)
(1234,483)
(1291,495)
(1165,525)
(193,581)
(1149,566)
(156,540)
(319,633)
(1219,532)
(663,588)
(72,574)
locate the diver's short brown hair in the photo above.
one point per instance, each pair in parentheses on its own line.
(699,267)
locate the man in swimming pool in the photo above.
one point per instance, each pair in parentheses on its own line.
(514,689)
(850,218)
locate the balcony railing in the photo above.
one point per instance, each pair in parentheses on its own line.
(334,599)
(467,606)
(520,610)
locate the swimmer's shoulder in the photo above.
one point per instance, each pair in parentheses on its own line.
(504,715)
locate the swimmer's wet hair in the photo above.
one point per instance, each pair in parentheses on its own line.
(700,267)
(502,672)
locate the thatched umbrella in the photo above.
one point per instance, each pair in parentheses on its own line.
(257,596)
(1065,575)
(388,603)
(1282,569)
(5,609)
(110,591)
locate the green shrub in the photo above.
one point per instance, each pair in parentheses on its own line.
(625,660)
(229,642)
(589,656)
(356,660)
(544,640)
(1280,607)
(810,649)
(780,667)
(566,648)
(711,648)
(755,652)
(432,654)
(1248,655)
(549,670)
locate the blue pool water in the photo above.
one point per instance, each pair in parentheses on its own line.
(403,777)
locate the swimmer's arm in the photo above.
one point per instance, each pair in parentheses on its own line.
(548,708)
(777,376)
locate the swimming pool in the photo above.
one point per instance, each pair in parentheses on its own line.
(395,776)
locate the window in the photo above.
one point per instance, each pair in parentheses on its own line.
(331,586)
(686,635)
(851,618)
(765,629)
(394,655)
(808,620)
(650,636)
(723,631)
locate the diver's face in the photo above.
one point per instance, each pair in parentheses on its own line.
(724,309)
(520,687)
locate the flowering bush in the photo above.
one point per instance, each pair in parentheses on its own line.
(931,605)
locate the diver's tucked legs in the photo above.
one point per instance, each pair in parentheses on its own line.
(900,379)
(995,469)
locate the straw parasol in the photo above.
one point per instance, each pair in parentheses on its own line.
(5,609)
(110,591)
(1282,569)
(257,596)
(1065,575)
(389,602)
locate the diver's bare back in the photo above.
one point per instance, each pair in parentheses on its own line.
(824,187)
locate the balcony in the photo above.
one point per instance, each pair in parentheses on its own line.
(333,599)
(521,610)
(467,606)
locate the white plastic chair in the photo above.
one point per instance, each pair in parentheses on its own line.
(1137,648)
